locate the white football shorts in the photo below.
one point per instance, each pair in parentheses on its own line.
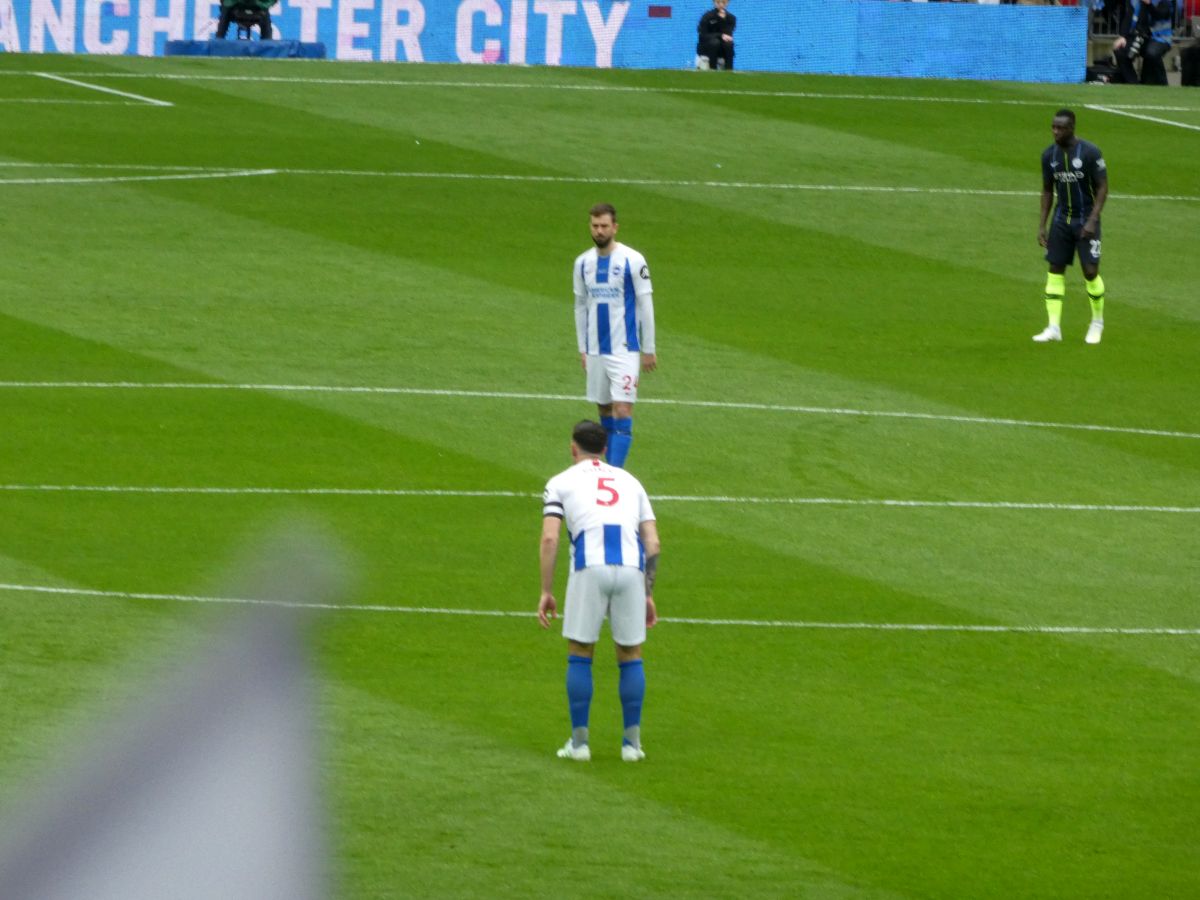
(613,377)
(618,592)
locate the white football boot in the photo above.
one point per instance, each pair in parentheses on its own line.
(582,753)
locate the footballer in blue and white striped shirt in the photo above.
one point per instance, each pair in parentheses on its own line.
(614,561)
(614,327)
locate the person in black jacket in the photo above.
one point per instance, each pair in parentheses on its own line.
(716,36)
(1145,31)
(249,12)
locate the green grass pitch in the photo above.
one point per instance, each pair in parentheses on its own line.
(819,246)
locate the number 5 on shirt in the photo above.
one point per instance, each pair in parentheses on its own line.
(604,486)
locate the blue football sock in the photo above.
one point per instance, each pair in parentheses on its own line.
(610,428)
(579,696)
(619,442)
(633,691)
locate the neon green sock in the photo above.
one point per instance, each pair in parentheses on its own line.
(1056,288)
(1095,290)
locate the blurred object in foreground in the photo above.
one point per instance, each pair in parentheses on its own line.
(207,788)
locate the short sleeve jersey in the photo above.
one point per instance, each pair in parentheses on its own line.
(610,287)
(604,508)
(1075,175)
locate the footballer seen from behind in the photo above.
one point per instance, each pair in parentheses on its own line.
(614,548)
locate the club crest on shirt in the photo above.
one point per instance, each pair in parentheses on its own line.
(616,271)
(1077,163)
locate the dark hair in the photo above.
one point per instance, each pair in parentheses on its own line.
(1065,114)
(590,437)
(603,209)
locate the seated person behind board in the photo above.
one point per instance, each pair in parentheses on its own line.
(1146,32)
(715,46)
(246,13)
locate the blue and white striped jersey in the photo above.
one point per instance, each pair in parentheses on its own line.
(614,309)
(604,508)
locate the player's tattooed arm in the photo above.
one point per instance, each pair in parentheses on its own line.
(651,573)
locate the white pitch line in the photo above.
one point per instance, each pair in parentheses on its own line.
(586,88)
(70,102)
(931,504)
(634,182)
(696,183)
(251,491)
(1121,112)
(137,167)
(571,398)
(917,626)
(598,88)
(125,179)
(521,614)
(529,495)
(105,90)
